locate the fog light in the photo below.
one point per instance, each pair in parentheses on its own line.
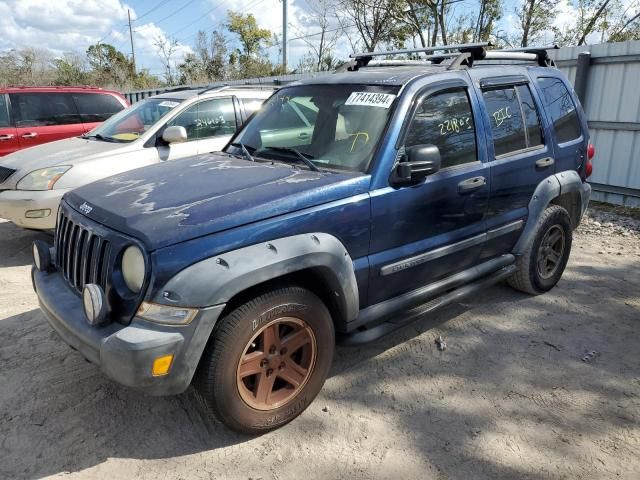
(95,307)
(161,365)
(45,212)
(41,255)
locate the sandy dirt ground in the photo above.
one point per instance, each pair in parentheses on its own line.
(529,387)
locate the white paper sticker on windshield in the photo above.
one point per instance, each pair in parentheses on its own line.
(370,99)
(168,103)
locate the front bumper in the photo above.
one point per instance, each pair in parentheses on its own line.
(14,204)
(126,353)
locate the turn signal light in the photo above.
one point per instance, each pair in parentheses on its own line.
(161,365)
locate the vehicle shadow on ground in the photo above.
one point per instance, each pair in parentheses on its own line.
(58,413)
(15,244)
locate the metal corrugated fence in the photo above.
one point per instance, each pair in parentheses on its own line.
(607,80)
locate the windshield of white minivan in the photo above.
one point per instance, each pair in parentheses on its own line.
(332,126)
(132,122)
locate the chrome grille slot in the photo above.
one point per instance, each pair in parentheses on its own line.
(81,255)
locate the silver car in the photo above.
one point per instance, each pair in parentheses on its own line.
(165,127)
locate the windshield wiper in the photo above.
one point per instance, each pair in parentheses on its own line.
(103,138)
(245,152)
(304,158)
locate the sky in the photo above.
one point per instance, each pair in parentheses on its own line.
(72,25)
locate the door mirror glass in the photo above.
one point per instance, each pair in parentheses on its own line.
(174,134)
(420,161)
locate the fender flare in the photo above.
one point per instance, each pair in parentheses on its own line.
(552,187)
(216,280)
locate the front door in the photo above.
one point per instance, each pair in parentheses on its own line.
(424,232)
(209,125)
(8,136)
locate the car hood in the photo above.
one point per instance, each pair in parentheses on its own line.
(61,152)
(175,201)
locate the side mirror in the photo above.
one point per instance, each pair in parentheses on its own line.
(174,134)
(420,162)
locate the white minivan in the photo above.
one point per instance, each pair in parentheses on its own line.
(168,126)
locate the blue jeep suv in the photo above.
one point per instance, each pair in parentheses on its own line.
(348,205)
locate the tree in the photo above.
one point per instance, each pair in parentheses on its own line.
(166,49)
(535,17)
(71,69)
(489,13)
(376,21)
(323,43)
(110,66)
(614,20)
(253,39)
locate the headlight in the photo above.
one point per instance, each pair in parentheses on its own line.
(166,314)
(43,179)
(133,268)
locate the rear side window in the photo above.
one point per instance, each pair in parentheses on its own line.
(560,105)
(515,123)
(4,111)
(445,120)
(43,109)
(96,107)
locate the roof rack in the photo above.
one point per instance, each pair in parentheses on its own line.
(464,55)
(363,59)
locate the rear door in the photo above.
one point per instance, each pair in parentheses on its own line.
(44,117)
(520,153)
(95,108)
(9,142)
(295,125)
(424,232)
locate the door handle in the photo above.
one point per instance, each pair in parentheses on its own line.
(303,136)
(545,162)
(8,136)
(29,135)
(471,184)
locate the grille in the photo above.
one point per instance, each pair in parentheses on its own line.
(82,256)
(5,173)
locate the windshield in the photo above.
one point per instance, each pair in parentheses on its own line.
(134,121)
(333,126)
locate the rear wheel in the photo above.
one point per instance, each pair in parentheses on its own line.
(542,263)
(267,360)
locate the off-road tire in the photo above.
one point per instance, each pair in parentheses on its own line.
(217,379)
(527,277)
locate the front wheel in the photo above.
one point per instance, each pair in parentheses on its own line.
(542,263)
(267,360)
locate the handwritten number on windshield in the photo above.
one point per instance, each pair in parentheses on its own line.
(455,125)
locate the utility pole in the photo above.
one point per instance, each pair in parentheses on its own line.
(284,36)
(133,53)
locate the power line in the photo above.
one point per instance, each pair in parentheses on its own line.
(199,19)
(151,10)
(174,12)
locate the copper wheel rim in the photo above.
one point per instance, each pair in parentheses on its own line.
(276,363)
(550,252)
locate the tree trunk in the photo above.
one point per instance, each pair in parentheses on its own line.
(526,24)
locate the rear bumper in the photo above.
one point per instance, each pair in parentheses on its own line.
(585,196)
(14,204)
(126,353)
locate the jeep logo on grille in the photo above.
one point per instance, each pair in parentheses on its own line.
(86,208)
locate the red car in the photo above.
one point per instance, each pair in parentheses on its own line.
(33,115)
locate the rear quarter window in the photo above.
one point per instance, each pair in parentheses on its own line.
(96,107)
(560,106)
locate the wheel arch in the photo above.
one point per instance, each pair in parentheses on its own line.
(565,189)
(316,261)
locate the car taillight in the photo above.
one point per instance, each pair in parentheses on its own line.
(591,151)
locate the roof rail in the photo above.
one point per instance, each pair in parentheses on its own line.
(248,86)
(363,59)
